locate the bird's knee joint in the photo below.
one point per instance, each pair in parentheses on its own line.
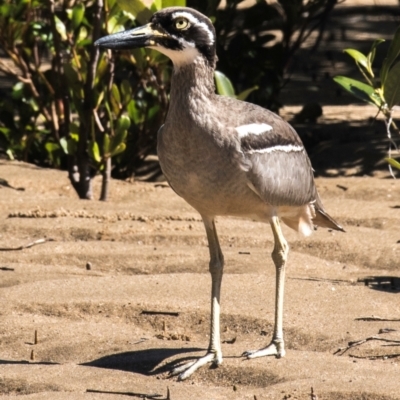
(280,255)
(216,266)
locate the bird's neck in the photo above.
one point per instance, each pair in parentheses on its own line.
(192,87)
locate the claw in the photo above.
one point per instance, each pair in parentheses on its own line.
(275,348)
(186,370)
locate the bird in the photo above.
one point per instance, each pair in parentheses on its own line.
(226,157)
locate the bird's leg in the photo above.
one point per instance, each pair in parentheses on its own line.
(279,256)
(214,353)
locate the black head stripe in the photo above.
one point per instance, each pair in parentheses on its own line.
(201,34)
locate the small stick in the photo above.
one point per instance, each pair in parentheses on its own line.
(383,356)
(313,396)
(149,312)
(342,187)
(32,355)
(230,341)
(26,246)
(140,341)
(244,252)
(6,269)
(132,394)
(377,319)
(36,338)
(362,341)
(322,280)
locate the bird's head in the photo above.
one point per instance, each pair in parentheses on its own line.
(181,33)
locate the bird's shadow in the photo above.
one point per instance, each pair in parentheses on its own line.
(146,362)
(390,284)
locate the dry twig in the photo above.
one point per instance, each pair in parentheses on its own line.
(362,341)
(152,396)
(171,313)
(373,318)
(26,246)
(377,357)
(313,395)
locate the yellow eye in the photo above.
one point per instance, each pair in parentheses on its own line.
(181,23)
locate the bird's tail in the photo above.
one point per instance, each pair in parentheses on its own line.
(322,218)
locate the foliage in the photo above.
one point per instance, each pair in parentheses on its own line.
(73,107)
(383,93)
(256,45)
(70,99)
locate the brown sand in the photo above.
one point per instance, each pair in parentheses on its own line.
(148,251)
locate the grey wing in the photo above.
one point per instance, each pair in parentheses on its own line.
(282,178)
(279,170)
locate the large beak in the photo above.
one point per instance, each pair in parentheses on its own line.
(138,37)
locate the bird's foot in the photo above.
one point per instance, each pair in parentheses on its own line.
(275,348)
(187,369)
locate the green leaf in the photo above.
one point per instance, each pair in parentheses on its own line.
(78,13)
(134,112)
(83,34)
(64,144)
(391,87)
(156,6)
(126,91)
(393,52)
(10,154)
(102,66)
(137,8)
(224,85)
(70,144)
(119,149)
(359,89)
(94,151)
(121,131)
(115,99)
(243,95)
(173,3)
(372,52)
(123,123)
(393,162)
(18,91)
(359,57)
(60,27)
(153,111)
(112,23)
(51,147)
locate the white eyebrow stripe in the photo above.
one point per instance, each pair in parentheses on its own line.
(193,20)
(288,148)
(252,129)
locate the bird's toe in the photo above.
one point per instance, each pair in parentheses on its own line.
(275,348)
(186,370)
